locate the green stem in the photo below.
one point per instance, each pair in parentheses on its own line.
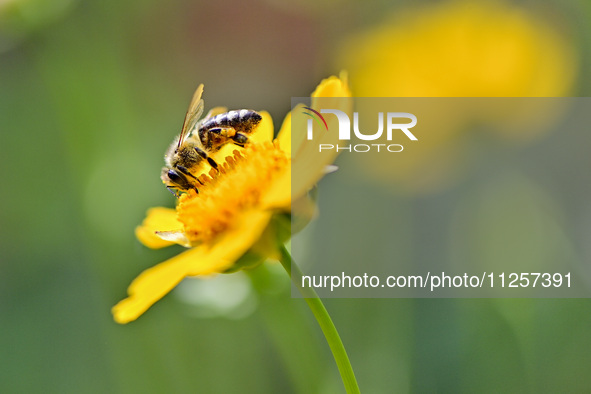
(328,328)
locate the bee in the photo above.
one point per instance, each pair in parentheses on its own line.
(200,138)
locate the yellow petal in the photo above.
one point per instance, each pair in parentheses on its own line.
(288,141)
(233,243)
(329,87)
(154,283)
(278,195)
(264,131)
(283,139)
(333,87)
(298,132)
(178,237)
(216,111)
(307,165)
(157,219)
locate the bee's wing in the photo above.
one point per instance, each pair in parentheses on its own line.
(193,114)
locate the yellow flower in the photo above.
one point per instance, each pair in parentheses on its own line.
(235,212)
(461,48)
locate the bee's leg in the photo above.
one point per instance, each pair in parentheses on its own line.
(231,133)
(185,171)
(204,155)
(223,131)
(240,139)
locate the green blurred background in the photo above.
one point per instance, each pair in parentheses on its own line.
(91,94)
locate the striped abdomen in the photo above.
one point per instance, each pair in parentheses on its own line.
(243,121)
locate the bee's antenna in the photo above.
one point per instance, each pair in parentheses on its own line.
(173,191)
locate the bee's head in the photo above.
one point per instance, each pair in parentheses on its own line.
(174,179)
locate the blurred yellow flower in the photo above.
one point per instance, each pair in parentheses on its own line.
(461,48)
(231,215)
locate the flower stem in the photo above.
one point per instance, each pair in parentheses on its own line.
(328,328)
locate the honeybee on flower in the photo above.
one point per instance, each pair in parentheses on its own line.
(241,205)
(199,139)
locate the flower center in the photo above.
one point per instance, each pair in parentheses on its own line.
(235,188)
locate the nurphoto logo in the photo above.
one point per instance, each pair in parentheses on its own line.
(393,126)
